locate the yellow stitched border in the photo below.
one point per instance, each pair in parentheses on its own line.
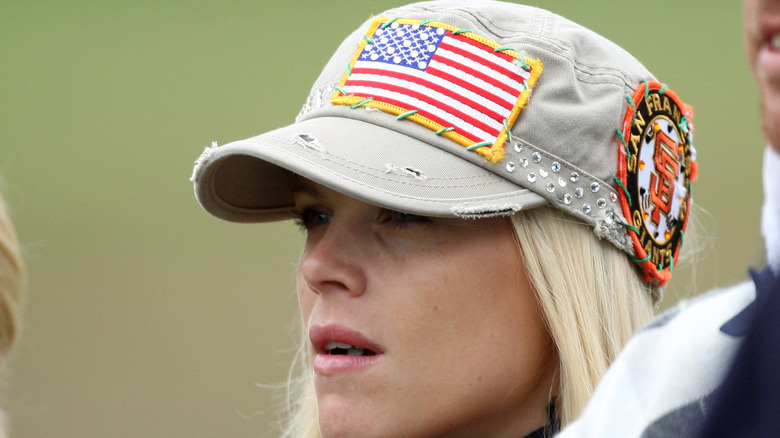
(493,153)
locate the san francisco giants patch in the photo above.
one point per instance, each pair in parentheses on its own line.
(656,166)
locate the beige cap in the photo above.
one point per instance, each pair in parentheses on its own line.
(473,109)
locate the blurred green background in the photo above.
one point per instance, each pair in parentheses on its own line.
(147,317)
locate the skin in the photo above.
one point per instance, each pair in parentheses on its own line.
(761,23)
(464,349)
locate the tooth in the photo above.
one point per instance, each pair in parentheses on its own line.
(775,41)
(355,351)
(333,345)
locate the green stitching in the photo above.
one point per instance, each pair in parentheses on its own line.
(508,132)
(460,31)
(341,90)
(647,87)
(662,90)
(641,260)
(502,48)
(479,145)
(406,114)
(349,69)
(522,63)
(631,101)
(443,130)
(683,124)
(671,265)
(625,191)
(368,40)
(623,140)
(629,226)
(424,22)
(361,103)
(388,23)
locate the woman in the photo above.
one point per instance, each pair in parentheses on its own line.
(493,198)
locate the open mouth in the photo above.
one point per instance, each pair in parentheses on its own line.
(341,349)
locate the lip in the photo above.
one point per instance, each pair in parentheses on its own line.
(326,364)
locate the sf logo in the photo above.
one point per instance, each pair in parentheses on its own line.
(662,181)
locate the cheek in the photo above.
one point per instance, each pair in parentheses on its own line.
(305,296)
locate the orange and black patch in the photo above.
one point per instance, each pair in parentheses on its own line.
(655,168)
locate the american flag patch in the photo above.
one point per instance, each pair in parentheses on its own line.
(463,86)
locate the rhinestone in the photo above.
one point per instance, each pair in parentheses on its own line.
(510,167)
(524,162)
(574,177)
(531,177)
(613,197)
(562,182)
(567,199)
(587,208)
(579,193)
(537,157)
(594,187)
(543,173)
(601,203)
(518,147)
(556,166)
(609,217)
(550,187)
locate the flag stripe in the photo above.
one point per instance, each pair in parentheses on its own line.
(466,65)
(472,83)
(443,92)
(378,87)
(439,117)
(458,40)
(500,67)
(455,81)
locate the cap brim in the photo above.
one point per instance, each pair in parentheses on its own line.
(254,180)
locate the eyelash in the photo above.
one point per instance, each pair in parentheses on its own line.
(303,219)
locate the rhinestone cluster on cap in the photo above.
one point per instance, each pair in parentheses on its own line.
(569,186)
(317,99)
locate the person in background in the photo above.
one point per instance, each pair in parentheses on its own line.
(709,367)
(11,282)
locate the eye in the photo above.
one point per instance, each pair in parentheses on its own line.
(400,219)
(399,216)
(309,218)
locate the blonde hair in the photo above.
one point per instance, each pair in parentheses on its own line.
(11,280)
(590,294)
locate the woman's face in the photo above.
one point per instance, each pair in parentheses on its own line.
(419,327)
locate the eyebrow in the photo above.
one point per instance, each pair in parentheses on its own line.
(302,186)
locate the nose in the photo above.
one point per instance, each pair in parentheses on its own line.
(334,260)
